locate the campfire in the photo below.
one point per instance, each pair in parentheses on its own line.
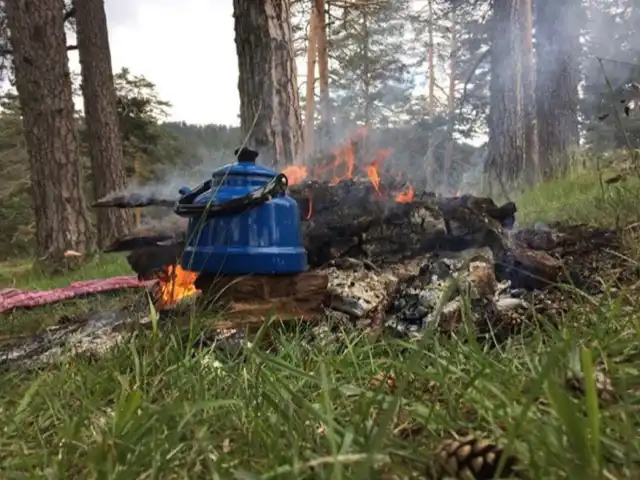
(175,284)
(379,249)
(380,252)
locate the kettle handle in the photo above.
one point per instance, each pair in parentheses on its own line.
(185,207)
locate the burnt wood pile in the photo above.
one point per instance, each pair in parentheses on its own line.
(402,268)
(367,244)
(353,220)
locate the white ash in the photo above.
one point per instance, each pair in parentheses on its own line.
(359,291)
(96,335)
(468,278)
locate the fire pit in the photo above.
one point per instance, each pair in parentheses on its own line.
(363,243)
(379,252)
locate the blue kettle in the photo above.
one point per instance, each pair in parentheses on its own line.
(242,222)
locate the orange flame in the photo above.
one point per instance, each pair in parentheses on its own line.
(295,173)
(343,157)
(374,167)
(176,284)
(343,168)
(405,197)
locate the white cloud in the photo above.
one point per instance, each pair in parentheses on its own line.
(186,48)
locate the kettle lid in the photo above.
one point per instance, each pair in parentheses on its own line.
(245,166)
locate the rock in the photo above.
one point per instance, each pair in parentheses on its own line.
(351,306)
(506,304)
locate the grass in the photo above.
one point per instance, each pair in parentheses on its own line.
(158,407)
(22,275)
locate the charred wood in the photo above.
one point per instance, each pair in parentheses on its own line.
(253,298)
(356,219)
(134,200)
(149,262)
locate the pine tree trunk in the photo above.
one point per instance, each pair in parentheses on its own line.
(506,125)
(451,102)
(431,105)
(269,101)
(323,73)
(531,161)
(101,116)
(558,47)
(310,101)
(44,87)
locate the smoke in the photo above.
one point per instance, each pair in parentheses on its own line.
(394,105)
(170,179)
(471,181)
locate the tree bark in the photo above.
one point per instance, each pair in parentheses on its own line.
(506,125)
(269,101)
(558,48)
(44,87)
(451,98)
(323,74)
(531,160)
(310,103)
(431,105)
(101,116)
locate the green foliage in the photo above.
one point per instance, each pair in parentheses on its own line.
(15,214)
(205,141)
(145,141)
(371,83)
(469,23)
(583,196)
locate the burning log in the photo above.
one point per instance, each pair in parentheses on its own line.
(151,261)
(167,232)
(351,219)
(352,214)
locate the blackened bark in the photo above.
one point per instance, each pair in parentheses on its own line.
(269,100)
(101,117)
(506,125)
(44,87)
(557,48)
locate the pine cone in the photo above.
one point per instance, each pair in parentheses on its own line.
(472,458)
(604,387)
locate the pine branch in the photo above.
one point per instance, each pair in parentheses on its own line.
(9,51)
(475,67)
(71,13)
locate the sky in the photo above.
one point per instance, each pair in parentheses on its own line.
(186,48)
